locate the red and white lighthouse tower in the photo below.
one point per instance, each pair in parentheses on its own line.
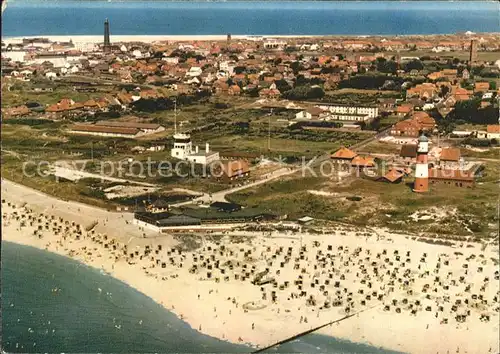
(422,168)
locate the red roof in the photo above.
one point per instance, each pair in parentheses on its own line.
(450,154)
(363,161)
(344,154)
(235,168)
(448,174)
(493,128)
(393,175)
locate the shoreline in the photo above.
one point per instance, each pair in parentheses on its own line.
(111,275)
(207,37)
(179,291)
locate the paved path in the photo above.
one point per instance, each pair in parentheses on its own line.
(66,171)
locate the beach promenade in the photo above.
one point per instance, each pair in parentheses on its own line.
(262,287)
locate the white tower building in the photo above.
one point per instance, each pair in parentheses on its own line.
(183,147)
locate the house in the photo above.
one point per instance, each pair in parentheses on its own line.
(393,176)
(343,155)
(305,220)
(481,87)
(387,104)
(64,105)
(362,162)
(194,71)
(492,132)
(408,128)
(403,110)
(144,128)
(424,91)
(18,111)
(449,158)
(269,93)
(90,129)
(408,153)
(311,113)
(231,171)
(364,111)
(424,120)
(461,94)
(234,90)
(458,178)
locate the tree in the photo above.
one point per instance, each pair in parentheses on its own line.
(296,66)
(493,85)
(386,66)
(239,70)
(304,93)
(444,91)
(414,64)
(282,85)
(470,111)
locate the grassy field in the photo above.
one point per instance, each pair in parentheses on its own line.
(378,147)
(384,204)
(21,93)
(491,153)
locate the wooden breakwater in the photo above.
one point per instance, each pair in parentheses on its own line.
(301,334)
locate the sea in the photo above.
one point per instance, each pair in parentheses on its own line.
(52,304)
(39,17)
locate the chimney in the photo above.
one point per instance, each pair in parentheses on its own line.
(196,148)
(207,148)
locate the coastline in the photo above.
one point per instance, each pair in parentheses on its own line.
(180,289)
(148,38)
(95,39)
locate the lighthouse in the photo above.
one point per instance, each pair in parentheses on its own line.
(422,168)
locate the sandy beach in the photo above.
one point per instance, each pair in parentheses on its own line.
(259,287)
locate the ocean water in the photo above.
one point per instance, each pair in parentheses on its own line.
(79,318)
(35,17)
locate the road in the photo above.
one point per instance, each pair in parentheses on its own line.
(362,144)
(221,196)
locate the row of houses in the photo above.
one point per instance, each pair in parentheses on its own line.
(446,169)
(338,113)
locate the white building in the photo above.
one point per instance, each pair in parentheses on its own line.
(194,71)
(15,56)
(274,44)
(369,112)
(227,66)
(303,115)
(171,60)
(183,150)
(86,47)
(203,157)
(350,117)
